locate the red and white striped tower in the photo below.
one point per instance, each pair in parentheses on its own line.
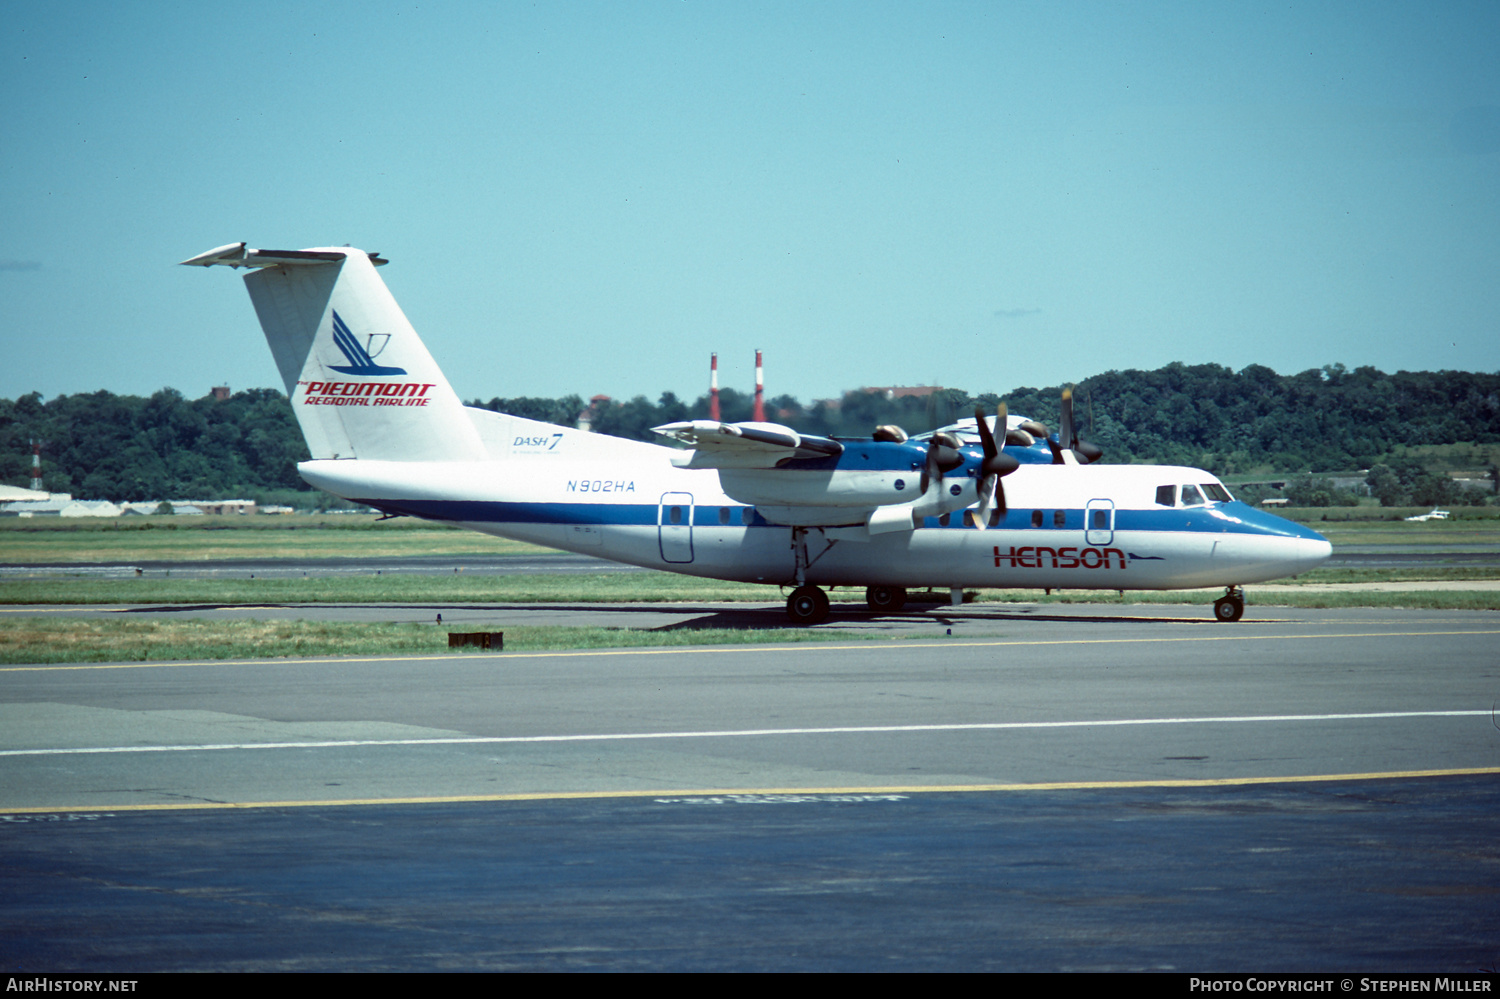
(713,387)
(36,465)
(760,391)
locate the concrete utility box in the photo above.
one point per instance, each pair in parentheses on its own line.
(482,639)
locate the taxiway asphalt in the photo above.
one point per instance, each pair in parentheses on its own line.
(1061,787)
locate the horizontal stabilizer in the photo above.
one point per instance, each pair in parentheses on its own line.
(237,255)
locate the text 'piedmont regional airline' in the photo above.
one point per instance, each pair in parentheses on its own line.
(754,502)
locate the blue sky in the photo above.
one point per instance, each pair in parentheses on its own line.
(581,197)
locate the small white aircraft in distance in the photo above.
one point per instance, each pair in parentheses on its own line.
(754,502)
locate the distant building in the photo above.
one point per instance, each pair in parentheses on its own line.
(31,504)
(233,506)
(90,508)
(888,391)
(903,391)
(150,508)
(58,505)
(590,415)
(221,392)
(11,494)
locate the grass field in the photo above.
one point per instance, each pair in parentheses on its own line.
(34,641)
(605,587)
(201,539)
(1460,533)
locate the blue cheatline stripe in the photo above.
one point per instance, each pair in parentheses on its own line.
(1195,520)
(1246,520)
(487,512)
(1190,521)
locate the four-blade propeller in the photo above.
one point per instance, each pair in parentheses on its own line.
(942,456)
(1083,452)
(1067,448)
(996,465)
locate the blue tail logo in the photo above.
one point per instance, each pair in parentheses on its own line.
(361,362)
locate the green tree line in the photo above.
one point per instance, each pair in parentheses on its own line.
(1205,415)
(102,445)
(125,447)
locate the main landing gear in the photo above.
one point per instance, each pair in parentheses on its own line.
(1231,606)
(807,605)
(885,599)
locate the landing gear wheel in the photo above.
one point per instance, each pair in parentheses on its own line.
(807,605)
(885,599)
(1229,609)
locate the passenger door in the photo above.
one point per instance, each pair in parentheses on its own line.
(674,527)
(1099,522)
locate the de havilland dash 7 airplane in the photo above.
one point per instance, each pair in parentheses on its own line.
(754,502)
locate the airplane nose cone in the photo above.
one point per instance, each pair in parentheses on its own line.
(1299,547)
(1312,552)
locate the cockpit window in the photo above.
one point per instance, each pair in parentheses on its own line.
(1216,492)
(1166,495)
(1191,496)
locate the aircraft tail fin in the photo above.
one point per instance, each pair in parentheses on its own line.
(360,380)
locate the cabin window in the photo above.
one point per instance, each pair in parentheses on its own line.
(1216,492)
(747,514)
(1060,518)
(723,514)
(676,514)
(1036,518)
(1166,495)
(995,516)
(1098,520)
(943,520)
(1191,496)
(968,518)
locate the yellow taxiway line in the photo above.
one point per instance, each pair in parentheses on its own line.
(901,789)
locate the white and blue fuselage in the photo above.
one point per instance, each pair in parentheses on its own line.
(751,502)
(1066,526)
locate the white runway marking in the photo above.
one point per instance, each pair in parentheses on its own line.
(747,733)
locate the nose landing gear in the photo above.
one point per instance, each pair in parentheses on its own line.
(1231,606)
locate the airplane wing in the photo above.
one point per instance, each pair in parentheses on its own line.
(744,445)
